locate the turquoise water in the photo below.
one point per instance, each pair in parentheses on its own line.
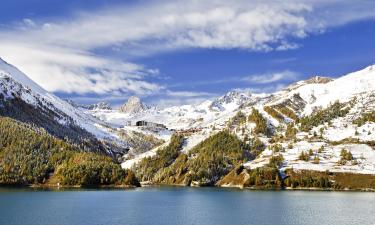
(184,206)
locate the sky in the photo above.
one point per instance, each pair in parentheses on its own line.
(182,52)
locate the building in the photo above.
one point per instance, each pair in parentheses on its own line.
(143,123)
(128,123)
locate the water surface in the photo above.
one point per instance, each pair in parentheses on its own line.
(182,206)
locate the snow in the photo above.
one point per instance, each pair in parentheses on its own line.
(14,81)
(193,140)
(217,112)
(128,164)
(11,71)
(211,116)
(186,116)
(342,89)
(329,158)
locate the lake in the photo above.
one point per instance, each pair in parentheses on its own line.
(180,206)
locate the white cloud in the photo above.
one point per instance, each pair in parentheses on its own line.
(59,54)
(189,94)
(271,77)
(168,102)
(71,71)
(28,22)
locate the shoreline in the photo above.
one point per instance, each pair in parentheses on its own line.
(128,187)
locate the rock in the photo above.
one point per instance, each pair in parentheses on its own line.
(134,106)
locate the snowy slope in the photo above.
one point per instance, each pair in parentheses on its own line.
(14,83)
(322,94)
(198,122)
(305,97)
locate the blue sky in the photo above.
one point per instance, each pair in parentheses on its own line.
(177,52)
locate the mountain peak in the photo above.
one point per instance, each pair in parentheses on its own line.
(318,80)
(134,105)
(311,80)
(234,96)
(12,72)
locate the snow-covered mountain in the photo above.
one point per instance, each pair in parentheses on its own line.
(134,106)
(116,130)
(320,94)
(232,98)
(356,91)
(99,106)
(24,100)
(185,116)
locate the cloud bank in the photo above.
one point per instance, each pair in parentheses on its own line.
(62,55)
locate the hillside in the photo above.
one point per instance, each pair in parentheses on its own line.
(29,155)
(25,101)
(321,126)
(309,124)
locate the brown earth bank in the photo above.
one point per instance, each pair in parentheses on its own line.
(268,178)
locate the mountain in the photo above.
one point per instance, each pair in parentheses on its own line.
(134,105)
(239,139)
(312,80)
(307,126)
(24,100)
(185,116)
(99,106)
(235,98)
(96,106)
(320,94)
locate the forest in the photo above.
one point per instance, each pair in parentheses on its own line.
(29,155)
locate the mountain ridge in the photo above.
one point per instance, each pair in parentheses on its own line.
(23,99)
(311,125)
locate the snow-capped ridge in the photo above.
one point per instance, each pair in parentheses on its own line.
(99,106)
(311,95)
(14,83)
(14,73)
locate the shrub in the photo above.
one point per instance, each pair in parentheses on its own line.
(275,114)
(307,179)
(321,149)
(267,177)
(288,112)
(291,131)
(345,156)
(238,119)
(333,111)
(316,160)
(276,148)
(366,117)
(304,156)
(260,122)
(257,146)
(276,161)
